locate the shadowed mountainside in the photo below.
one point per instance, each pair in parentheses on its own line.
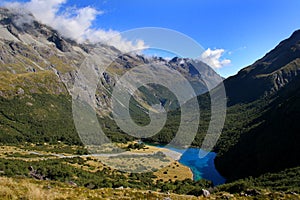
(269,90)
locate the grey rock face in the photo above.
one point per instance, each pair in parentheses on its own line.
(30,47)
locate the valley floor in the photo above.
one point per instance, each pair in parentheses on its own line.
(14,185)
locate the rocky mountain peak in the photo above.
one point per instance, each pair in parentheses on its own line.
(28,46)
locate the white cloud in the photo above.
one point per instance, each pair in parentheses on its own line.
(75,23)
(114,38)
(214,58)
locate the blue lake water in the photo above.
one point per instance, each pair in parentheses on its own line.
(201,167)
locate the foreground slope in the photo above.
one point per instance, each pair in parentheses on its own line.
(24,188)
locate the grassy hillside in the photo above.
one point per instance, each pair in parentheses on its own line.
(24,188)
(21,188)
(12,85)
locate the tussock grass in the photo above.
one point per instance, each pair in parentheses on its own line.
(21,188)
(174,171)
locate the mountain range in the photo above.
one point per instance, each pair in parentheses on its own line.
(38,68)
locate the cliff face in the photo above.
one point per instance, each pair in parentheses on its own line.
(31,49)
(38,69)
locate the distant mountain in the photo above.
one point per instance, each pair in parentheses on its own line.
(38,68)
(30,48)
(261,132)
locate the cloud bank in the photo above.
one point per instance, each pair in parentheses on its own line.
(214,58)
(74,23)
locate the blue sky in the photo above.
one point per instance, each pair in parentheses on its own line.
(245,30)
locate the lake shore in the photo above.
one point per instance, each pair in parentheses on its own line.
(174,170)
(153,149)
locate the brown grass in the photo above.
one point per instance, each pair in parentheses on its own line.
(174,171)
(13,189)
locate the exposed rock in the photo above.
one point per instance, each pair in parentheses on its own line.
(292,193)
(61,44)
(12,29)
(31,69)
(35,174)
(206,193)
(20,91)
(29,104)
(30,168)
(90,186)
(34,47)
(72,184)
(227,196)
(107,77)
(252,192)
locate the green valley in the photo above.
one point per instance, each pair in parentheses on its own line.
(42,154)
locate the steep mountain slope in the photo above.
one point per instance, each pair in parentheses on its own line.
(30,47)
(267,75)
(38,68)
(269,138)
